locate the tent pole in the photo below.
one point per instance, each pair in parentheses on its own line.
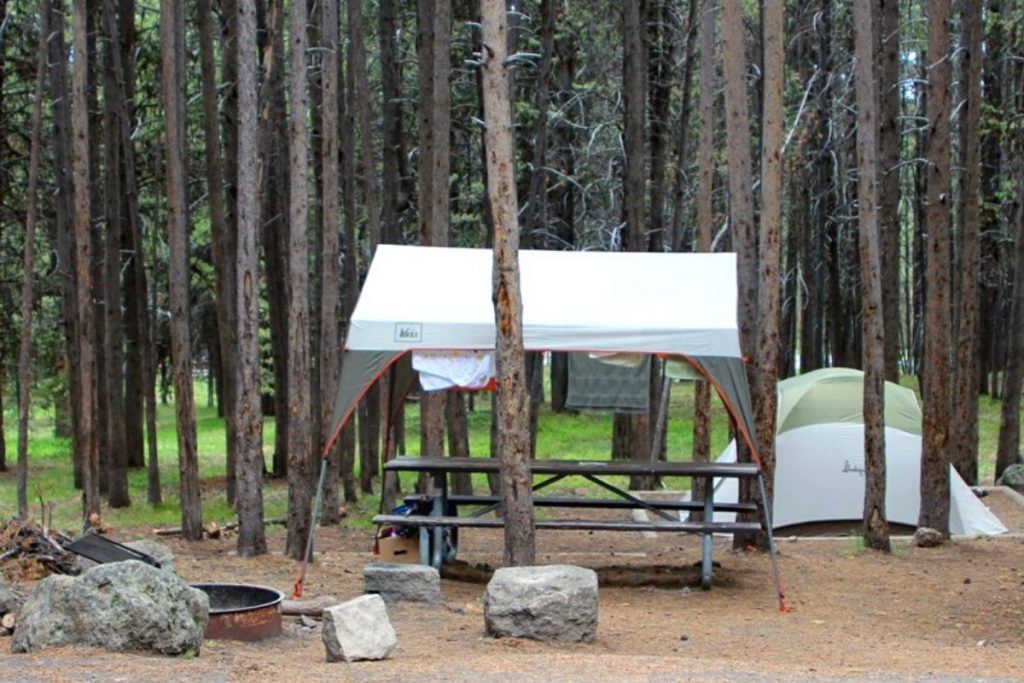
(766,515)
(297,588)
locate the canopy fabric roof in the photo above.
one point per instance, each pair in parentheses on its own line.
(440,298)
(836,395)
(680,305)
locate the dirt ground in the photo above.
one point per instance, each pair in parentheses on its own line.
(949,613)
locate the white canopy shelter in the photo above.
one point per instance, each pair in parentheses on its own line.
(437,298)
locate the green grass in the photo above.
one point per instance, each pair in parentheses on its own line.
(585,436)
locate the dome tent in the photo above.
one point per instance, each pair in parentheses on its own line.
(819,451)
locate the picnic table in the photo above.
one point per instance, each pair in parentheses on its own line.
(444,507)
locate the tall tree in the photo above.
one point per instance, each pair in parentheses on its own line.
(115,209)
(741,207)
(964,434)
(85,442)
(705,223)
(300,479)
(28,269)
(172,36)
(222,240)
(330,275)
(248,418)
(876,530)
(936,369)
(769,248)
(634,86)
(889,97)
(433,40)
(513,427)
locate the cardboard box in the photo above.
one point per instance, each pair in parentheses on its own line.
(399,549)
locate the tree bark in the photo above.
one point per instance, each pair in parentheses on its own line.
(964,432)
(705,224)
(634,87)
(889,96)
(115,210)
(766,362)
(741,208)
(172,36)
(513,429)
(433,44)
(300,478)
(876,529)
(330,274)
(1007,452)
(935,423)
(28,269)
(85,441)
(222,242)
(248,419)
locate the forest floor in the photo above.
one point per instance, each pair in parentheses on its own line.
(950,613)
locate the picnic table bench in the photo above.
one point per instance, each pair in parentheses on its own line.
(444,508)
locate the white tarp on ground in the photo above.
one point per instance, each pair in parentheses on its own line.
(819,477)
(578,301)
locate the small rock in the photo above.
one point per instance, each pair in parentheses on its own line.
(926,537)
(358,629)
(967,580)
(307,622)
(684,637)
(549,603)
(685,590)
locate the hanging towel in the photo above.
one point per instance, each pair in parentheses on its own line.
(598,385)
(457,368)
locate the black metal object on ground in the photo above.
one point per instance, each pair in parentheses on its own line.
(103,550)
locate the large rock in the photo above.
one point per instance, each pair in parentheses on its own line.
(1013,476)
(358,629)
(121,606)
(403,582)
(552,603)
(10,598)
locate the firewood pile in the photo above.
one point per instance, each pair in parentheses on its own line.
(29,551)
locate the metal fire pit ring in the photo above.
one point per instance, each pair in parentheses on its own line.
(241,611)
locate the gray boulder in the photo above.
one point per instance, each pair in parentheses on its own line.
(358,629)
(1013,476)
(552,603)
(122,606)
(403,582)
(10,598)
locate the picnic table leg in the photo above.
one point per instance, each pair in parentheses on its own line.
(440,491)
(706,539)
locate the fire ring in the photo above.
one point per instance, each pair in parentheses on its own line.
(241,611)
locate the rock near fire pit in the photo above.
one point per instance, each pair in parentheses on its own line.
(123,606)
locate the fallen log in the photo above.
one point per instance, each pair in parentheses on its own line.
(308,608)
(230,526)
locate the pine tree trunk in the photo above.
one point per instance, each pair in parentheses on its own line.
(766,362)
(889,96)
(330,275)
(964,434)
(876,529)
(935,453)
(300,476)
(25,338)
(705,224)
(222,242)
(85,434)
(248,418)
(513,430)
(172,37)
